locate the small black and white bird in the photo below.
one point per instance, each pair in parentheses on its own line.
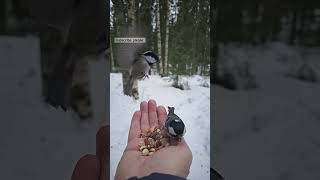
(141,66)
(174,125)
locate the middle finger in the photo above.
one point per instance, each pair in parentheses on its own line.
(153,117)
(144,116)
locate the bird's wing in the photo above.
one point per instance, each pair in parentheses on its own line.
(127,53)
(140,69)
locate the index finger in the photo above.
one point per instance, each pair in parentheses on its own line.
(144,123)
(135,129)
(153,117)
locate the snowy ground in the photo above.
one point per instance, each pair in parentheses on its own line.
(193,106)
(37,141)
(270,133)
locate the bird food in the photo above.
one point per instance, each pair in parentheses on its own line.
(153,140)
(169,134)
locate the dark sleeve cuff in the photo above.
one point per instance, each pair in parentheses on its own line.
(158,176)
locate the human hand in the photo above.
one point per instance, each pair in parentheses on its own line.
(95,167)
(174,160)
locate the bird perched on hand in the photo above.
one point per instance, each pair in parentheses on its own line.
(174,125)
(140,68)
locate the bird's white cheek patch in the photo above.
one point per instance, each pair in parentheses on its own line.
(177,120)
(171,131)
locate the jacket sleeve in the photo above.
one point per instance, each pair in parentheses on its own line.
(158,176)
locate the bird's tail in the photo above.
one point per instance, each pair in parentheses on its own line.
(60,82)
(129,86)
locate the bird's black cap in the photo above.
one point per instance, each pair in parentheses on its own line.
(152,54)
(171,110)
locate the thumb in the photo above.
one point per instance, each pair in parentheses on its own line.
(103,151)
(87,168)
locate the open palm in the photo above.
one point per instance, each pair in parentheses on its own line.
(174,160)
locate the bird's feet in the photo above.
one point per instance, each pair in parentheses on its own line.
(145,76)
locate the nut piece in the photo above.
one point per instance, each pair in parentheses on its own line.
(151,142)
(158,143)
(142,148)
(145,152)
(141,143)
(154,139)
(146,142)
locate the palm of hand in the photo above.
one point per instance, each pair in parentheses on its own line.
(174,160)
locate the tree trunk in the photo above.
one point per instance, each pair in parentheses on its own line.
(303,25)
(159,38)
(131,32)
(3,14)
(111,57)
(131,17)
(215,44)
(167,41)
(293,27)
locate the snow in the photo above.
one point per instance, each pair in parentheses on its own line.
(193,107)
(271,132)
(37,141)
